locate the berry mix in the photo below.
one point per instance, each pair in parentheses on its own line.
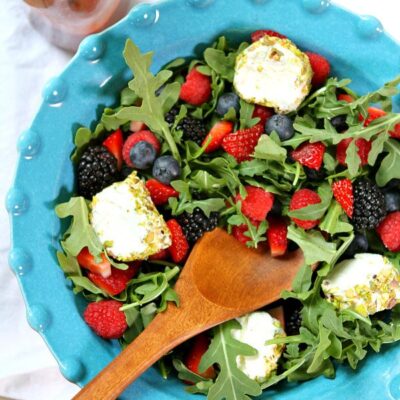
(259,140)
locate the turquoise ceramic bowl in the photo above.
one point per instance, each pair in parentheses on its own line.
(357,48)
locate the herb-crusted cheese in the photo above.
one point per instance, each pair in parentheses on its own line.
(273,72)
(126,221)
(368,283)
(257,328)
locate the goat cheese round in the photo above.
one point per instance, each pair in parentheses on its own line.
(273,72)
(367,283)
(126,221)
(257,328)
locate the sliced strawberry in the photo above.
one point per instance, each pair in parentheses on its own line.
(375,113)
(389,231)
(277,236)
(257,203)
(343,193)
(241,144)
(345,97)
(179,247)
(161,255)
(114,144)
(364,147)
(257,35)
(196,89)
(160,192)
(309,154)
(216,135)
(116,283)
(238,231)
(137,126)
(303,198)
(264,113)
(136,137)
(321,68)
(87,261)
(200,345)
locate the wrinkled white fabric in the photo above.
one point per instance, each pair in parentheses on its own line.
(27,368)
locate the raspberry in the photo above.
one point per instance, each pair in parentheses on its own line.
(105,318)
(238,231)
(241,144)
(364,147)
(159,192)
(264,113)
(197,88)
(343,193)
(321,68)
(310,155)
(179,247)
(303,198)
(257,203)
(257,35)
(388,231)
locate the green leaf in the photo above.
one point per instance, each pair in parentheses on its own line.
(231,383)
(128,97)
(246,115)
(390,166)
(69,264)
(323,345)
(353,160)
(377,147)
(333,221)
(83,136)
(81,282)
(302,280)
(313,244)
(186,374)
(268,149)
(205,182)
(80,234)
(222,64)
(169,96)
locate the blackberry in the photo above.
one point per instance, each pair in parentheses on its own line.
(97,169)
(339,123)
(315,175)
(369,205)
(194,225)
(193,129)
(292,314)
(170,115)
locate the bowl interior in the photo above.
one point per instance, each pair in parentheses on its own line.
(92,81)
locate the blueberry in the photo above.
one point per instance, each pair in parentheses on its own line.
(358,245)
(315,175)
(282,125)
(339,123)
(225,102)
(166,169)
(392,200)
(142,155)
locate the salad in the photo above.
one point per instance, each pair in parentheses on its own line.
(259,140)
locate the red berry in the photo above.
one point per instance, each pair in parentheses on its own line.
(197,88)
(241,144)
(238,231)
(345,97)
(161,255)
(389,231)
(179,247)
(364,147)
(114,144)
(321,68)
(160,192)
(277,236)
(116,283)
(309,154)
(216,135)
(375,113)
(257,203)
(105,318)
(137,126)
(136,137)
(264,113)
(343,193)
(257,35)
(87,261)
(303,198)
(200,345)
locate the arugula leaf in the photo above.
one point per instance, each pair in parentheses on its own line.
(231,383)
(82,138)
(246,115)
(353,160)
(333,221)
(268,149)
(222,64)
(390,166)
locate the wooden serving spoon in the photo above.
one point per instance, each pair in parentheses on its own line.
(222,280)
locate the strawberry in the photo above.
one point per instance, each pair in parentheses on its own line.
(238,231)
(257,204)
(87,261)
(375,113)
(106,319)
(216,135)
(343,193)
(277,236)
(136,137)
(241,144)
(196,90)
(389,229)
(257,35)
(137,126)
(179,247)
(321,68)
(200,345)
(364,147)
(160,192)
(114,144)
(345,97)
(161,255)
(263,113)
(303,198)
(310,154)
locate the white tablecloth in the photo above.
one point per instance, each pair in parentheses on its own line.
(27,369)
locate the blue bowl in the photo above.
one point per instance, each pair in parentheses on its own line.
(357,48)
